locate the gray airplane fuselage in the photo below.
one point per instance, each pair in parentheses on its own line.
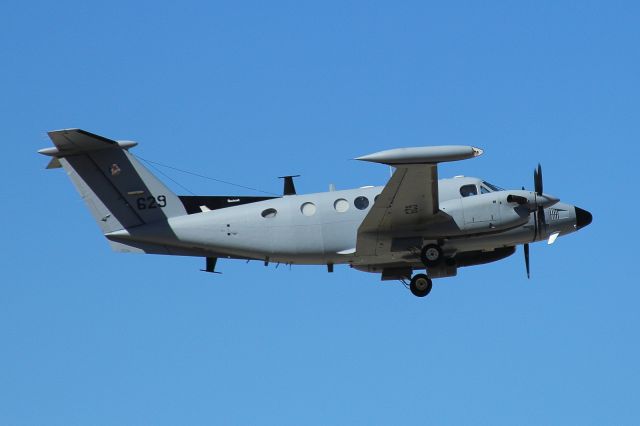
(322,228)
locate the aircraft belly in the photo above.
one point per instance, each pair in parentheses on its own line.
(285,243)
(508,238)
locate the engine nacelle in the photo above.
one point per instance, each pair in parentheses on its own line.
(485,213)
(492,212)
(472,258)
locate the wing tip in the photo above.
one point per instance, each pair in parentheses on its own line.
(58,131)
(477,152)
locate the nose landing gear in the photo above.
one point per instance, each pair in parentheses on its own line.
(420,285)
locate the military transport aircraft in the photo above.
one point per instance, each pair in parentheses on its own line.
(414,222)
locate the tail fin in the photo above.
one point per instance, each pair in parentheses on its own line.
(119,191)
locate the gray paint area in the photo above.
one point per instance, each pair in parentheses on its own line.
(112,182)
(423,155)
(375,229)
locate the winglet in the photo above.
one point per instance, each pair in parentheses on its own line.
(423,155)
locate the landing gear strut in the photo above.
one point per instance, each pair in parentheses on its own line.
(431,255)
(420,285)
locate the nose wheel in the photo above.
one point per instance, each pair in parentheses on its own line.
(431,255)
(420,285)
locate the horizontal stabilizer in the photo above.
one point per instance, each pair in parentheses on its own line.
(54,164)
(77,141)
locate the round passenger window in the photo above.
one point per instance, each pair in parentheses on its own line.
(269,213)
(361,203)
(341,205)
(308,209)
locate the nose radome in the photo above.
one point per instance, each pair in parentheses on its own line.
(583,218)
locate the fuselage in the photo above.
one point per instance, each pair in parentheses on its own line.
(322,228)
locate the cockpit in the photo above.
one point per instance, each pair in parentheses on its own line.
(490,187)
(472,189)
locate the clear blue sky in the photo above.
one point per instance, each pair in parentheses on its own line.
(248,91)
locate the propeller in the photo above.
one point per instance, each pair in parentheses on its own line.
(541,222)
(539,219)
(526,259)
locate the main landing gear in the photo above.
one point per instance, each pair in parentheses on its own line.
(420,285)
(431,255)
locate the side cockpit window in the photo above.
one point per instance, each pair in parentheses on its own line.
(493,188)
(468,190)
(484,189)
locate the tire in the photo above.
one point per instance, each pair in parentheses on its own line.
(420,285)
(431,255)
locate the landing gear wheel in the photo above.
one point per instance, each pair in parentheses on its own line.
(431,255)
(420,285)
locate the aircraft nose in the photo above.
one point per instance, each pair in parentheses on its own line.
(583,218)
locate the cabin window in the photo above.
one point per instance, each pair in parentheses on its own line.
(308,209)
(269,213)
(468,190)
(341,205)
(361,203)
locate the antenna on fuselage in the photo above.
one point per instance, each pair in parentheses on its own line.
(289,187)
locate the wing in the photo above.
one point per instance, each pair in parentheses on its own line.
(409,201)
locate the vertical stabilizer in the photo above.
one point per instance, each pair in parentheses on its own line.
(118,190)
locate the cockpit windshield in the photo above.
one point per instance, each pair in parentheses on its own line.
(492,187)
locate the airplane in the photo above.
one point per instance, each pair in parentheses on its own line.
(416,222)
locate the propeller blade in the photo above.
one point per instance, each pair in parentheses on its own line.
(537,179)
(541,217)
(526,259)
(542,222)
